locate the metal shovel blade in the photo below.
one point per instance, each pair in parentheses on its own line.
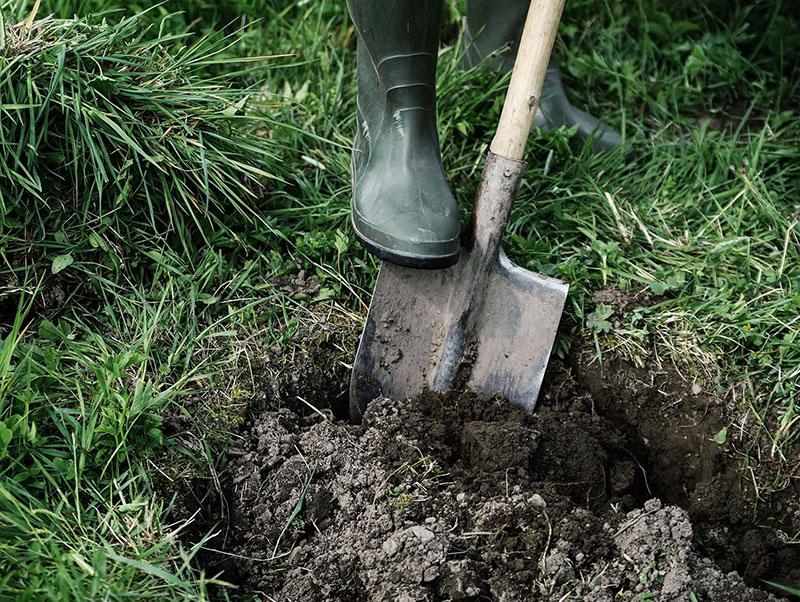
(484,325)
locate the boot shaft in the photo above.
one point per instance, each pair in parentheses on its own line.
(397,55)
(403,209)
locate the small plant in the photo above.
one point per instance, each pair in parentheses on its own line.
(404,503)
(598,321)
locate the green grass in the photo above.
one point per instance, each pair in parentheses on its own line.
(153,184)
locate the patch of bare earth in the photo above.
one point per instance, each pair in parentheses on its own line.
(611,490)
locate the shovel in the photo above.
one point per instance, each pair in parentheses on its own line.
(485,324)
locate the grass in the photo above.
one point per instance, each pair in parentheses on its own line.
(157,173)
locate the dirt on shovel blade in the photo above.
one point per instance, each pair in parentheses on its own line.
(452,498)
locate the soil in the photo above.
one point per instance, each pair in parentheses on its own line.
(612,489)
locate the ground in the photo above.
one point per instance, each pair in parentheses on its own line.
(180,299)
(614,487)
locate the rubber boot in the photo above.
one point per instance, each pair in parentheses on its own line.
(403,210)
(495,26)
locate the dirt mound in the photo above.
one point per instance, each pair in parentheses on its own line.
(456,498)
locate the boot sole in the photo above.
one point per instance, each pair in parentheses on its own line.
(409,261)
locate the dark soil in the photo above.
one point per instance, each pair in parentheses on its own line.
(613,489)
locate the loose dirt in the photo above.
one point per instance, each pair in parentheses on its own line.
(612,490)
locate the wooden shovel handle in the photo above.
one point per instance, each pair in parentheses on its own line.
(527,79)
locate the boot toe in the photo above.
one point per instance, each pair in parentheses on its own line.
(590,128)
(598,134)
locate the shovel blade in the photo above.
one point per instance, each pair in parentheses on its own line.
(420,334)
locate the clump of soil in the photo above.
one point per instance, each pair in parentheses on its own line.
(455,498)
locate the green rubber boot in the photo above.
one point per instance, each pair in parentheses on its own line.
(496,26)
(403,210)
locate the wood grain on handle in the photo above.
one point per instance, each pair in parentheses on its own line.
(527,79)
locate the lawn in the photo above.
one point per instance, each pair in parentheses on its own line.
(174,189)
